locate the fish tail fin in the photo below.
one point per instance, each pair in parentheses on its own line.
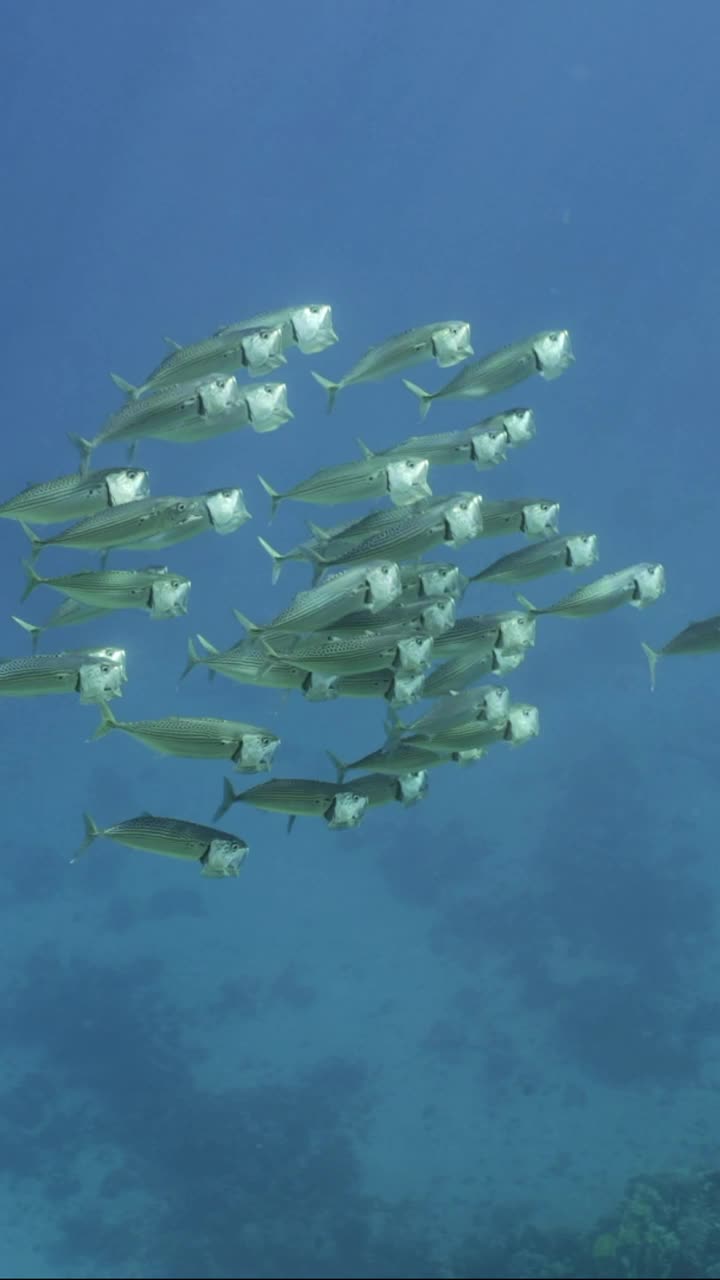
(332,389)
(338,765)
(228,799)
(394,727)
(84,448)
(276,556)
(132,391)
(33,631)
(523,600)
(207,646)
(193,660)
(33,578)
(251,627)
(107,721)
(425,397)
(92,831)
(275,497)
(36,544)
(652,656)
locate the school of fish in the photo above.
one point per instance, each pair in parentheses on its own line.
(378,620)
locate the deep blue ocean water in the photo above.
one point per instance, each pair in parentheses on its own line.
(375,1049)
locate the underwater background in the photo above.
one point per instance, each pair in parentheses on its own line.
(382,1052)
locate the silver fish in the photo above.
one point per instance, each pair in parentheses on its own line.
(404,481)
(67,614)
(403,758)
(447,342)
(219,853)
(347,655)
(61,673)
(258,352)
(247,663)
(341,807)
(696,637)
(489,703)
(548,353)
(370,588)
(535,517)
(639,585)
(77,495)
(521,723)
(453,521)
(308,327)
(571,551)
(163,594)
(509,630)
(387,788)
(432,617)
(131,524)
(398,688)
(162,412)
(462,670)
(485,444)
(262,408)
(200,738)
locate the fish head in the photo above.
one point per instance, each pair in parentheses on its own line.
(488,447)
(317,687)
(451,344)
(227,510)
(126,485)
(523,723)
(255,753)
(313,328)
(414,653)
(441,580)
(263,349)
(346,810)
(581,550)
(553,353)
(224,857)
(649,585)
(268,406)
(169,596)
(463,519)
(114,656)
(412,787)
(99,681)
(496,704)
(383,585)
(407,480)
(540,519)
(519,425)
(439,617)
(506,660)
(218,394)
(405,688)
(516,630)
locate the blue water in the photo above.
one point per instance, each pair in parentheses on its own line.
(376,1047)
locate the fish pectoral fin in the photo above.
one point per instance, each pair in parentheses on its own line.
(170,342)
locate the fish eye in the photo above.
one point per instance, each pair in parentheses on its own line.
(554,337)
(227,493)
(314,310)
(267,389)
(132,475)
(180,506)
(175,584)
(266,742)
(105,669)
